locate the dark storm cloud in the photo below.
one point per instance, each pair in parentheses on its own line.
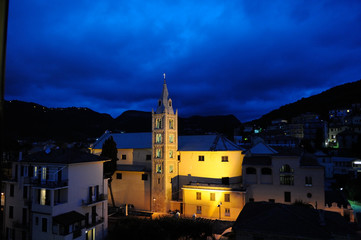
(237,57)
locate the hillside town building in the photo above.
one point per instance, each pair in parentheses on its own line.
(56,194)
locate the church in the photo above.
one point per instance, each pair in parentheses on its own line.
(160,171)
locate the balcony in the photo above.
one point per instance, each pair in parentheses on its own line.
(20,225)
(98,220)
(94,200)
(37,182)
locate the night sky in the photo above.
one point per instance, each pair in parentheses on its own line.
(220,57)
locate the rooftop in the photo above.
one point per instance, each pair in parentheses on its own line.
(65,156)
(292,221)
(185,143)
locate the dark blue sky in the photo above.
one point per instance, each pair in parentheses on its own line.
(221,57)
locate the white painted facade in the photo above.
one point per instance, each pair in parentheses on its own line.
(39,193)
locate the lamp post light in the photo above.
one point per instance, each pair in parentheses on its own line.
(219,206)
(154,204)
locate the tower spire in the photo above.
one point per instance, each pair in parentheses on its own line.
(165,103)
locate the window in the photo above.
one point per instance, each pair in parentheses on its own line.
(26,171)
(35,171)
(287,196)
(158,123)
(171,168)
(145,177)
(201,158)
(158,180)
(119,176)
(158,138)
(171,123)
(36,221)
(227,212)
(178,157)
(309,195)
(25,192)
(266,171)
(308,181)
(199,209)
(171,138)
(212,197)
(199,195)
(286,169)
(158,153)
(148,157)
(286,175)
(43,173)
(286,180)
(159,168)
(227,197)
(224,158)
(124,157)
(44,225)
(251,170)
(11,190)
(25,216)
(171,154)
(225,180)
(11,211)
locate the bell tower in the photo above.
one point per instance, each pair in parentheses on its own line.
(164,149)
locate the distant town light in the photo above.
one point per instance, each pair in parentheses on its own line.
(357,162)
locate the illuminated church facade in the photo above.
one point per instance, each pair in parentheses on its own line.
(160,171)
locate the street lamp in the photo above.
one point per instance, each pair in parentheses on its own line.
(154,205)
(219,205)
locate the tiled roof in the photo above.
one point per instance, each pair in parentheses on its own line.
(257,160)
(185,143)
(206,143)
(126,140)
(262,148)
(66,156)
(274,219)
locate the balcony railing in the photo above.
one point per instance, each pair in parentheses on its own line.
(19,225)
(98,220)
(93,199)
(46,184)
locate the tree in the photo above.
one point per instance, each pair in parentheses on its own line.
(109,150)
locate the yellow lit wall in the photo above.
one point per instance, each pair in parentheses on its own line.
(212,166)
(209,207)
(131,189)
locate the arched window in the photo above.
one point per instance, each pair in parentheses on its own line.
(251,170)
(286,169)
(158,138)
(158,123)
(266,171)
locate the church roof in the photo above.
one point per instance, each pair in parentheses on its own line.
(206,143)
(126,140)
(186,143)
(262,148)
